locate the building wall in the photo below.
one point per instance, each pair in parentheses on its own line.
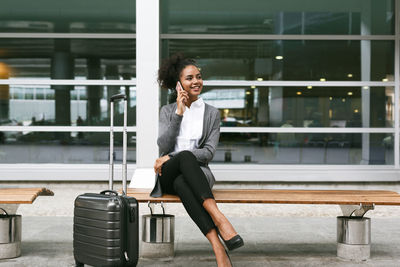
(307,90)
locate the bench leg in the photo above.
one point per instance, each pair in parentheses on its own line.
(354,238)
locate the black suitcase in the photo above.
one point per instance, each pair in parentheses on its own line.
(106,225)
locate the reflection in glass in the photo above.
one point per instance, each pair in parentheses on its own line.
(83,106)
(341,107)
(278,17)
(288,60)
(69,59)
(72,148)
(305,148)
(73,16)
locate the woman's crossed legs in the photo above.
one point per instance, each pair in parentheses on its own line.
(182,175)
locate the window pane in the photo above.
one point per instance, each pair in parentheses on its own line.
(288,60)
(68,59)
(278,17)
(64,105)
(307,148)
(69,148)
(340,107)
(73,16)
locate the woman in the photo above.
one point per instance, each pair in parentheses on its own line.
(188,137)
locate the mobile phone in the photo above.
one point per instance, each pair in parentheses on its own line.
(179,87)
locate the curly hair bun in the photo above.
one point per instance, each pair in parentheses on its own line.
(170,69)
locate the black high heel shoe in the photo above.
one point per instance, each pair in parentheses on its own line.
(233,243)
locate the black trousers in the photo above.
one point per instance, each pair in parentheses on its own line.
(182,176)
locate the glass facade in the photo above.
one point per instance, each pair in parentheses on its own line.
(47,16)
(68,58)
(277,17)
(302,106)
(304,148)
(307,82)
(81,105)
(288,59)
(64,148)
(34,98)
(247,48)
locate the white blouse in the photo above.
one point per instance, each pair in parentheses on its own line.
(191,127)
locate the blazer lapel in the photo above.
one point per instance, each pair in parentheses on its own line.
(205,126)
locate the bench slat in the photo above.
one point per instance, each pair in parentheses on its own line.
(22,195)
(17,199)
(339,197)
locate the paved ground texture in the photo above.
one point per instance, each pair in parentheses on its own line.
(275,235)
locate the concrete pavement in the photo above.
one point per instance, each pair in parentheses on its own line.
(275,235)
(279,241)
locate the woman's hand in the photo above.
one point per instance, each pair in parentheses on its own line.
(181,99)
(158,164)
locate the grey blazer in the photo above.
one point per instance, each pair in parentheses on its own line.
(169,126)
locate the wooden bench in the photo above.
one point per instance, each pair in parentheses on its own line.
(354,204)
(270,196)
(10,226)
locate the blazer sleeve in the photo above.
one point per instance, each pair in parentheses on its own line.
(206,153)
(168,130)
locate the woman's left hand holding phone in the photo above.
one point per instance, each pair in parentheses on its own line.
(181,99)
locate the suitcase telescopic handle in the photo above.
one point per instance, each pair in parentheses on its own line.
(117,97)
(124,143)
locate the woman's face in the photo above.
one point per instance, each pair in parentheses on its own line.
(191,81)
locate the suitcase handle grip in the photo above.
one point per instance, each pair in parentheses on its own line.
(117,97)
(112,192)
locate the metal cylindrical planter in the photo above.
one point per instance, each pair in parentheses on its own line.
(158,228)
(158,238)
(354,238)
(10,235)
